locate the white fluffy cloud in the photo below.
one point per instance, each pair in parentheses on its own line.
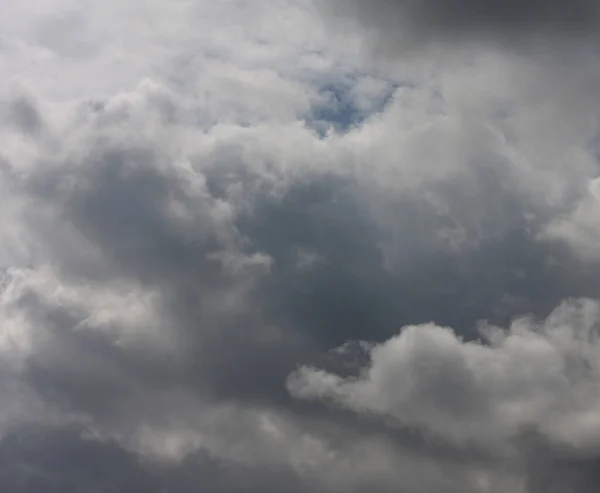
(532,376)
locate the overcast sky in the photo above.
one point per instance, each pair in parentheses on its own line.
(333,246)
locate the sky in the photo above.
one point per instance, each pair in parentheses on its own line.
(313,246)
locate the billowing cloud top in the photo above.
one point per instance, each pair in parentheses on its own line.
(239,255)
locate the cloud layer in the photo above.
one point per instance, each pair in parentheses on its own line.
(236,255)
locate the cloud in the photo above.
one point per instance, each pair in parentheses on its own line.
(533,377)
(577,227)
(172,284)
(71,460)
(527,377)
(199,199)
(399,25)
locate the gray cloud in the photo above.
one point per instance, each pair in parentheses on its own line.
(235,277)
(73,460)
(23,115)
(173,254)
(401,24)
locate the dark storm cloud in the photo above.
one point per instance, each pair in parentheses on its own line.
(406,21)
(70,460)
(119,203)
(38,459)
(348,290)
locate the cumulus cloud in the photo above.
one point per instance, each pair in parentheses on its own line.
(530,376)
(203,203)
(534,378)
